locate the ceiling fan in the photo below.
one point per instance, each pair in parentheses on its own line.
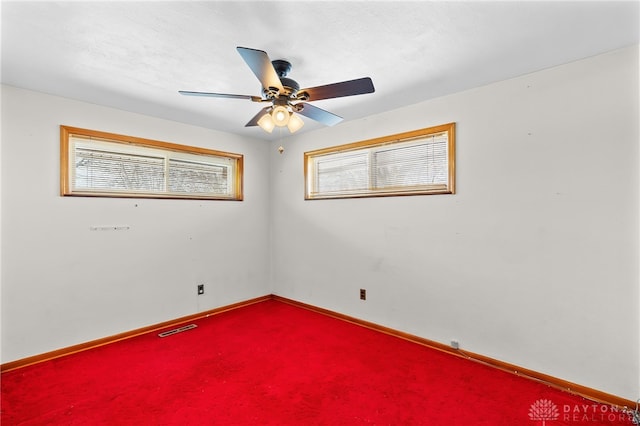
(285,96)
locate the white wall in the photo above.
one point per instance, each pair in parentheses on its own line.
(63,284)
(534,261)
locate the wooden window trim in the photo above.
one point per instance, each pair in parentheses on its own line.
(448,128)
(66,189)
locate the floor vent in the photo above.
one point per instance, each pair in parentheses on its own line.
(177,330)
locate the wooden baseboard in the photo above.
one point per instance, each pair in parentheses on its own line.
(122,336)
(573,388)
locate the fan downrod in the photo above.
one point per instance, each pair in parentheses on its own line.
(282,67)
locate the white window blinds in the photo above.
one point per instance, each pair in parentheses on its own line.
(419,162)
(102,170)
(198,177)
(105,167)
(411,163)
(343,172)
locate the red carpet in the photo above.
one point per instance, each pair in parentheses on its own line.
(275,364)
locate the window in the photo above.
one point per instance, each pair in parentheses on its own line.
(412,163)
(108,165)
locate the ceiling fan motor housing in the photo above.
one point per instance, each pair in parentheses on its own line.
(283,68)
(290,86)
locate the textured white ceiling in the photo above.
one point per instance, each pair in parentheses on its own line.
(135,56)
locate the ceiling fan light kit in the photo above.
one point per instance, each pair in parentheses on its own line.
(295,123)
(285,94)
(280,116)
(266,123)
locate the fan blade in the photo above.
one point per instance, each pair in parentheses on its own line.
(262,67)
(254,120)
(220,95)
(337,90)
(325,117)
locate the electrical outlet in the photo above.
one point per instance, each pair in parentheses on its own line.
(455,344)
(200,289)
(363,294)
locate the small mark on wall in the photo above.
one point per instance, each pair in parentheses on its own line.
(109,228)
